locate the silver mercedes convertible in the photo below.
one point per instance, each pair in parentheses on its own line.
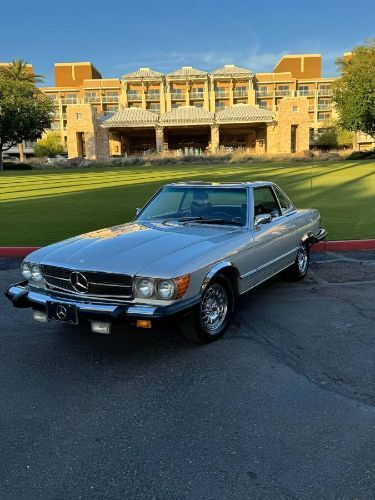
(189,253)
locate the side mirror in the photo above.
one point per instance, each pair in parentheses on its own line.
(262,219)
(137,210)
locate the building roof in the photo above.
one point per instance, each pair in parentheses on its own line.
(131,117)
(143,73)
(187,115)
(231,69)
(243,113)
(187,71)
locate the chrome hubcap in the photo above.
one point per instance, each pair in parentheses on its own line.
(214,307)
(302,259)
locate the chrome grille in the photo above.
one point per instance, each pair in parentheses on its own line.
(100,284)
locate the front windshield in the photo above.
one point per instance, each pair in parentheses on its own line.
(198,204)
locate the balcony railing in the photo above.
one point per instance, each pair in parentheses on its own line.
(153,96)
(324,91)
(55,126)
(69,100)
(177,95)
(134,97)
(264,93)
(324,107)
(93,98)
(283,93)
(302,93)
(240,93)
(110,98)
(196,95)
(221,93)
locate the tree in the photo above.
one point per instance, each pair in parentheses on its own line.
(25,112)
(19,70)
(50,145)
(354,91)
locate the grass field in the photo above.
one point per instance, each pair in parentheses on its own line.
(40,207)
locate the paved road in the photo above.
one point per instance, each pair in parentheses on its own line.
(282,407)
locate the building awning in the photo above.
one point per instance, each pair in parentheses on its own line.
(232,70)
(187,115)
(131,117)
(243,113)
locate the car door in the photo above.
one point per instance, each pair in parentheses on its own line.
(264,255)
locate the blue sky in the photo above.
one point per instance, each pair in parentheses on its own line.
(121,36)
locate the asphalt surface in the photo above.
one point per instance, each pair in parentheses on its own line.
(282,407)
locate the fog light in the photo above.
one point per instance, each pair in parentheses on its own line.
(40,316)
(99,327)
(143,323)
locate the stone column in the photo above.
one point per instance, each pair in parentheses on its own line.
(215,138)
(168,98)
(143,95)
(212,96)
(162,98)
(124,96)
(206,97)
(231,92)
(159,133)
(187,94)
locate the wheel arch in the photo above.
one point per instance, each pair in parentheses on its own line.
(225,268)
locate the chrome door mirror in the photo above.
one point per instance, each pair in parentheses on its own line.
(262,219)
(137,210)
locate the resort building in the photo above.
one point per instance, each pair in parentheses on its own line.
(192,111)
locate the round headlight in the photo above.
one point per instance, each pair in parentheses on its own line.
(36,272)
(166,289)
(25,269)
(145,288)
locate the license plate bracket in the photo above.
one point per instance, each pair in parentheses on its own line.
(58,311)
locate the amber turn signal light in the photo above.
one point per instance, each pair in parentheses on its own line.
(182,285)
(143,323)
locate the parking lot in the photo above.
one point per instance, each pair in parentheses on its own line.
(282,407)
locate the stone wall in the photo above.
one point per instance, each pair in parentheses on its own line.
(291,111)
(84,123)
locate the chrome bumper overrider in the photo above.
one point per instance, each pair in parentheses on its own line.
(320,235)
(21,297)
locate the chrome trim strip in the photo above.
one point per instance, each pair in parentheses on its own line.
(268,263)
(216,268)
(265,279)
(144,310)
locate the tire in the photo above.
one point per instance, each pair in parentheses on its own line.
(204,323)
(299,269)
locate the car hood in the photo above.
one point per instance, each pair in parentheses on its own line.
(130,247)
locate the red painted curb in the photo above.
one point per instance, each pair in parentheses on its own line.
(16,251)
(322,246)
(343,246)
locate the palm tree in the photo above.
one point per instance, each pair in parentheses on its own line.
(19,70)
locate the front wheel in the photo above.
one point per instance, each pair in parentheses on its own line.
(299,269)
(209,320)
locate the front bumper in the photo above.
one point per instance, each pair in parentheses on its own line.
(21,296)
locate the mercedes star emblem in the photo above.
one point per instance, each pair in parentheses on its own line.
(61,312)
(79,282)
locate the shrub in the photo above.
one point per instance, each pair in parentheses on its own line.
(10,165)
(49,146)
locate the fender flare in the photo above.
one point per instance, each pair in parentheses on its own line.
(219,266)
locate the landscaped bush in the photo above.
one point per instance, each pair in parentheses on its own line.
(362,155)
(10,165)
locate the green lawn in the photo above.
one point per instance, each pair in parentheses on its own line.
(39,207)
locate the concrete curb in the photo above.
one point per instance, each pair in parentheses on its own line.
(322,246)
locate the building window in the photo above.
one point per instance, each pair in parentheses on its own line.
(304,90)
(133,95)
(295,109)
(78,116)
(240,91)
(324,89)
(324,116)
(198,104)
(282,90)
(52,97)
(219,105)
(263,104)
(91,97)
(262,90)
